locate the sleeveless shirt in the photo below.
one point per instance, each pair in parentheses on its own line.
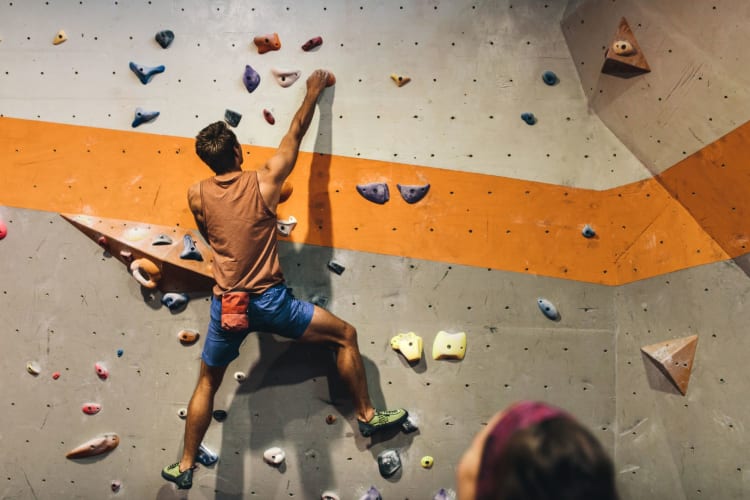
(241,231)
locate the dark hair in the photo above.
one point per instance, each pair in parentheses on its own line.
(215,146)
(555,459)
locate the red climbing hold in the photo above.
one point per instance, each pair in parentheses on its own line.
(266,43)
(101,371)
(269,117)
(312,43)
(3,230)
(91,408)
(102,240)
(55,375)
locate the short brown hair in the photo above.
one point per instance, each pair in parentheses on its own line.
(215,146)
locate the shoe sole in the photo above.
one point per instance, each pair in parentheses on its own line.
(373,430)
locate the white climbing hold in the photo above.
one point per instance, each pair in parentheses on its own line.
(329,495)
(274,456)
(623,48)
(240,376)
(182,413)
(449,345)
(548,308)
(33,368)
(285,226)
(286,78)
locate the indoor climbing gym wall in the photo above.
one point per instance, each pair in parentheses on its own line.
(510,200)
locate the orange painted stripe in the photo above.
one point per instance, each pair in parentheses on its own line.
(466,218)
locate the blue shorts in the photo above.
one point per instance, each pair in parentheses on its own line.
(275,311)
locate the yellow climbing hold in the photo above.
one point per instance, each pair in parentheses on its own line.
(449,345)
(409,344)
(400,80)
(60,37)
(427,461)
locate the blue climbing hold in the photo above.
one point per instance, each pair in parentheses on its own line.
(376,192)
(162,239)
(145,73)
(548,308)
(251,78)
(164,38)
(529,118)
(588,231)
(550,78)
(232,117)
(190,251)
(174,300)
(120,352)
(206,456)
(142,116)
(412,194)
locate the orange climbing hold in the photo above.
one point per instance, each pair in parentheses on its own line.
(188,337)
(60,37)
(96,446)
(624,57)
(266,43)
(674,358)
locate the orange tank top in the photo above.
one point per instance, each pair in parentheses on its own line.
(241,231)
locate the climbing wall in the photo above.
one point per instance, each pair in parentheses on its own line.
(501,227)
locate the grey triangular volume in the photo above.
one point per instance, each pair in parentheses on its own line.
(376,192)
(412,194)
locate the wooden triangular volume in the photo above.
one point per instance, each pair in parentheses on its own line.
(624,57)
(160,248)
(675,359)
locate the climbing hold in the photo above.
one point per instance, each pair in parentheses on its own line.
(674,358)
(190,251)
(164,38)
(206,456)
(371,494)
(269,117)
(232,117)
(312,43)
(529,118)
(286,191)
(388,463)
(251,78)
(286,78)
(266,43)
(376,192)
(443,494)
(145,73)
(550,78)
(412,194)
(3,230)
(60,37)
(96,446)
(427,462)
(548,308)
(240,376)
(285,226)
(103,242)
(120,352)
(101,371)
(126,255)
(408,344)
(175,301)
(449,345)
(182,413)
(319,300)
(274,456)
(588,231)
(330,419)
(142,116)
(188,337)
(145,272)
(400,80)
(329,495)
(220,415)
(55,375)
(336,267)
(409,425)
(91,408)
(624,57)
(115,486)
(33,368)
(162,239)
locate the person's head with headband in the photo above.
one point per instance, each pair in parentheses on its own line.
(534,451)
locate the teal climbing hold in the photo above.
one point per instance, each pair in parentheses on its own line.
(232,117)
(142,116)
(190,251)
(529,118)
(145,73)
(164,38)
(412,194)
(376,192)
(550,78)
(548,309)
(250,78)
(175,301)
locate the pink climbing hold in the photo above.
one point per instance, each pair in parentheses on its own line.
(91,408)
(312,43)
(101,371)
(269,117)
(3,230)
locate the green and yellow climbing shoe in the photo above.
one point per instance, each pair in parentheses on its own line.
(183,480)
(381,420)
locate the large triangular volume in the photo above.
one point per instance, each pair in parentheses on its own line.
(675,359)
(162,257)
(624,57)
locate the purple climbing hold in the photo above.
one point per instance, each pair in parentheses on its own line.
(142,116)
(174,300)
(376,192)
(371,494)
(412,194)
(190,251)
(164,38)
(443,494)
(232,117)
(251,78)
(145,73)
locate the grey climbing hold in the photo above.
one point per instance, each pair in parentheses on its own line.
(250,78)
(142,116)
(206,456)
(174,300)
(371,494)
(162,239)
(588,231)
(550,78)
(145,73)
(376,192)
(412,194)
(220,415)
(529,118)
(190,251)
(388,463)
(548,308)
(409,425)
(232,117)
(164,38)
(336,267)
